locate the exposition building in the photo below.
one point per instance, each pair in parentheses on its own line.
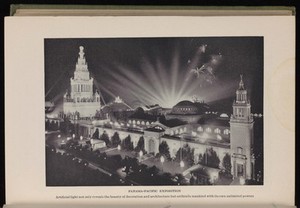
(226,135)
(81,99)
(191,123)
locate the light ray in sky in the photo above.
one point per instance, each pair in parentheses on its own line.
(157,82)
(148,71)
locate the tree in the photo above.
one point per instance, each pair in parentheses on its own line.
(210,158)
(140,145)
(200,159)
(105,138)
(186,154)
(164,149)
(115,139)
(227,163)
(96,134)
(200,177)
(127,144)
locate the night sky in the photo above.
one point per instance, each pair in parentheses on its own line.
(164,71)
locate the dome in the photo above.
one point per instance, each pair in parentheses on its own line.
(184,103)
(186,107)
(114,107)
(224,115)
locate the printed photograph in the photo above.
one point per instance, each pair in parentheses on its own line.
(161,111)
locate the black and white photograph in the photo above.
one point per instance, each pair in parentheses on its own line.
(154,111)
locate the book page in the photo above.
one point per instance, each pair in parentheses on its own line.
(160,110)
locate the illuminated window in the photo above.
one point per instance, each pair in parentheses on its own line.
(138,122)
(217,131)
(208,130)
(226,131)
(200,128)
(129,121)
(158,127)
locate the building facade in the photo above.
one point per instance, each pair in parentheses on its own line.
(225,135)
(81,99)
(241,139)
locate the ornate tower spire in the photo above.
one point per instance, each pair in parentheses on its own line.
(81,98)
(81,64)
(241,92)
(241,85)
(81,70)
(241,105)
(81,53)
(241,135)
(81,58)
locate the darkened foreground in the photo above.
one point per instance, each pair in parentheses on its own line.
(65,170)
(74,164)
(82,167)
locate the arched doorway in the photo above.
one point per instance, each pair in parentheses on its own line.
(151,146)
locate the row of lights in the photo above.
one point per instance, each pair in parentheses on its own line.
(211,112)
(256,114)
(162,159)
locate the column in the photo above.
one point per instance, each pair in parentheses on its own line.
(245,170)
(234,173)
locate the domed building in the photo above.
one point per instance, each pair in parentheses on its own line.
(188,111)
(199,126)
(116,110)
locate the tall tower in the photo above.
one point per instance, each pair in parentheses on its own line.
(241,135)
(81,99)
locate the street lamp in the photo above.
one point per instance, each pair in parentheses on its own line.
(141,154)
(59,136)
(242,181)
(73,136)
(181,164)
(162,160)
(75,117)
(119,147)
(81,138)
(181,161)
